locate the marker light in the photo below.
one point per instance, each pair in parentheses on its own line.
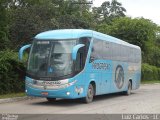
(68,93)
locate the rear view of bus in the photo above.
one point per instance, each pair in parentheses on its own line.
(59,66)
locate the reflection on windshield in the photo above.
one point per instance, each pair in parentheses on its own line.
(39,57)
(51,58)
(60,61)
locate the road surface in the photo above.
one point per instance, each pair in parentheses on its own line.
(144,100)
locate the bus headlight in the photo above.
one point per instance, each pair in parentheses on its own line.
(68,93)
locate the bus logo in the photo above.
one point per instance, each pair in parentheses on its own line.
(119,77)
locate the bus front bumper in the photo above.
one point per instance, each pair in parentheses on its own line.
(70,92)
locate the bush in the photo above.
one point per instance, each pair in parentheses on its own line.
(150,72)
(11,73)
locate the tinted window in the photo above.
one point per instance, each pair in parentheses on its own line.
(124,53)
(97,49)
(116,51)
(112,51)
(82,54)
(107,50)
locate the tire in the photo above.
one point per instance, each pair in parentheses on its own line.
(51,99)
(128,92)
(90,94)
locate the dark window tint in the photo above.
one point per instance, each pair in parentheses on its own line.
(112,51)
(107,50)
(97,49)
(82,54)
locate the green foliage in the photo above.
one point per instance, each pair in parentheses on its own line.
(39,16)
(26,23)
(154,56)
(12,95)
(150,73)
(150,82)
(11,73)
(109,11)
(4,42)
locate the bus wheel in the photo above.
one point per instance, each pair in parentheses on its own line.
(128,92)
(51,99)
(90,94)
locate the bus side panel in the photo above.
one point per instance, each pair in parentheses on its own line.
(119,77)
(106,76)
(100,72)
(94,77)
(134,70)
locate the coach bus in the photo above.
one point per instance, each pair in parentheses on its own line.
(80,63)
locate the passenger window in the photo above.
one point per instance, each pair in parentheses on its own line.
(82,53)
(107,50)
(96,52)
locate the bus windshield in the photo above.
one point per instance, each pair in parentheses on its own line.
(51,58)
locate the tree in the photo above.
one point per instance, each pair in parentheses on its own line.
(29,18)
(109,11)
(3,26)
(116,9)
(27,22)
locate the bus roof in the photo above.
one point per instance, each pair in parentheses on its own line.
(77,33)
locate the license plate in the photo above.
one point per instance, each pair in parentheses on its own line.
(44,93)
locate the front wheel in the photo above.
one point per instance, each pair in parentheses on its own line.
(51,99)
(90,94)
(128,92)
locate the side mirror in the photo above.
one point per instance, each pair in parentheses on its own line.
(22,49)
(75,50)
(91,59)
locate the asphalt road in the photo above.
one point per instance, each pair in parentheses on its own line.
(144,100)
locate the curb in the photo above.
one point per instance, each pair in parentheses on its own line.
(150,84)
(15,99)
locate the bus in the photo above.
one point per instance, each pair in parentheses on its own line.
(80,63)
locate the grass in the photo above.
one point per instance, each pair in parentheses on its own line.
(12,95)
(150,81)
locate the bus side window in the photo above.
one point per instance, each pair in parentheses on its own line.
(78,61)
(107,50)
(96,52)
(82,53)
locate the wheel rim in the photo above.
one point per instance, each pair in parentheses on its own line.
(90,93)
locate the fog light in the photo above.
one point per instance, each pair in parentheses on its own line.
(26,91)
(68,93)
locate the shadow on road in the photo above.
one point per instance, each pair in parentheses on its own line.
(73,102)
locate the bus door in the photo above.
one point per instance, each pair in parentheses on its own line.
(99,67)
(106,77)
(105,66)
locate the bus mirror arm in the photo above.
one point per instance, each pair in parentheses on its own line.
(22,49)
(75,50)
